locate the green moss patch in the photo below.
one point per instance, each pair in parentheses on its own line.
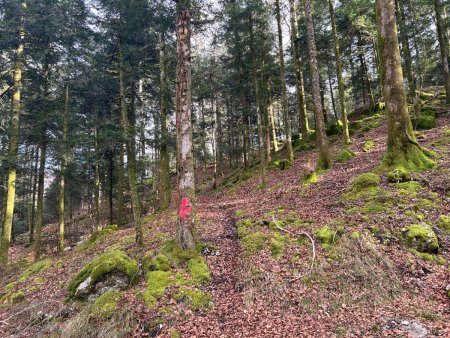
(34,269)
(364,181)
(326,235)
(105,305)
(310,178)
(157,282)
(198,268)
(430,258)
(399,175)
(421,238)
(443,223)
(195,299)
(113,261)
(345,155)
(368,146)
(424,122)
(282,164)
(253,243)
(96,235)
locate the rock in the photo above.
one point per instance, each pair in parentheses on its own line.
(83,289)
(414,329)
(67,248)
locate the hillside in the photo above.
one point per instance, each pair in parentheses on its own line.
(327,254)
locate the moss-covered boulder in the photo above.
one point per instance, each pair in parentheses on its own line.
(112,271)
(424,122)
(443,223)
(159,262)
(364,181)
(105,305)
(345,155)
(421,238)
(399,175)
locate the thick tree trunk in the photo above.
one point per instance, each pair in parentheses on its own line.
(301,102)
(164,163)
(284,99)
(341,85)
(402,147)
(12,156)
(322,142)
(186,182)
(443,46)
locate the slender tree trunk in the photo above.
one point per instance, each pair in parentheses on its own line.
(111,185)
(164,163)
(97,178)
(12,154)
(406,51)
(284,99)
(129,145)
(121,187)
(340,79)
(63,169)
(272,125)
(443,45)
(402,147)
(186,182)
(203,139)
(301,102)
(322,142)
(219,138)
(31,191)
(35,180)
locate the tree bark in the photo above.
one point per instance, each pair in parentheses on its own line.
(62,173)
(443,46)
(322,142)
(186,182)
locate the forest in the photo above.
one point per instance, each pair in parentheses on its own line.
(224,168)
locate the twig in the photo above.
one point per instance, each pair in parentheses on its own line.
(312,243)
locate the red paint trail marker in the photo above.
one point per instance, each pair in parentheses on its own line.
(185,208)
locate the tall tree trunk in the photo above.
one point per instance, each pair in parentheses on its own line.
(62,173)
(402,147)
(12,154)
(340,79)
(406,51)
(111,185)
(97,177)
(35,180)
(186,182)
(262,155)
(301,102)
(31,190)
(129,145)
(284,99)
(272,125)
(219,138)
(443,46)
(121,187)
(164,163)
(322,142)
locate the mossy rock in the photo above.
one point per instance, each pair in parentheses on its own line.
(282,164)
(424,122)
(443,223)
(364,181)
(345,155)
(159,262)
(421,238)
(111,262)
(195,299)
(34,269)
(368,146)
(399,175)
(105,305)
(199,270)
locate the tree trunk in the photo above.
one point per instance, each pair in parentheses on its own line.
(284,99)
(341,85)
(164,163)
(186,182)
(121,187)
(12,155)
(402,147)
(63,169)
(33,211)
(97,178)
(301,102)
(322,142)
(443,46)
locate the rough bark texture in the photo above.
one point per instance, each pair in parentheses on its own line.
(443,46)
(120,187)
(402,148)
(284,100)
(97,179)
(62,174)
(322,142)
(301,102)
(341,85)
(164,175)
(186,183)
(12,157)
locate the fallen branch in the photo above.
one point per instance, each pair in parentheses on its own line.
(310,239)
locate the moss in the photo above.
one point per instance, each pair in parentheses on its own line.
(430,153)
(105,305)
(160,262)
(425,204)
(175,334)
(345,155)
(412,159)
(96,235)
(244,227)
(254,243)
(310,178)
(177,255)
(10,286)
(199,270)
(334,128)
(443,223)
(424,122)
(430,258)
(240,213)
(113,261)
(421,237)
(276,247)
(374,208)
(399,175)
(37,267)
(442,141)
(16,297)
(157,282)
(410,187)
(282,164)
(326,235)
(195,299)
(368,146)
(355,235)
(364,181)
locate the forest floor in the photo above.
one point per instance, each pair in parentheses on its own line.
(292,258)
